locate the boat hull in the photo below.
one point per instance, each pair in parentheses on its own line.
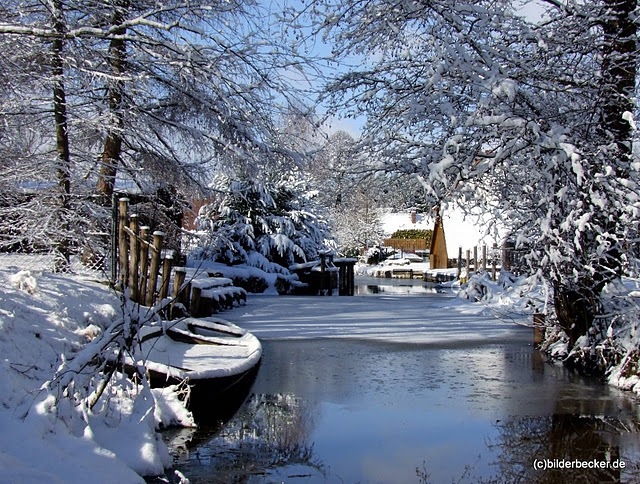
(217,359)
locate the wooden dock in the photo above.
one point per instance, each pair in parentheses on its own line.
(323,276)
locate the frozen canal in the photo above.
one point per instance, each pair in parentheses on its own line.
(408,386)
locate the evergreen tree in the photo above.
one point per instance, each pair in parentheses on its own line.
(270,223)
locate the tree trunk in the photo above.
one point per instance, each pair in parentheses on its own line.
(577,306)
(113,144)
(63,162)
(619,69)
(619,72)
(575,311)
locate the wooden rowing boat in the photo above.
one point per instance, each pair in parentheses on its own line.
(215,357)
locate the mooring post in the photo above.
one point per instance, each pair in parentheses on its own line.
(123,246)
(330,277)
(539,326)
(351,278)
(323,269)
(179,275)
(133,258)
(196,298)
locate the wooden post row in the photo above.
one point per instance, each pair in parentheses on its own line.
(154,268)
(135,271)
(123,246)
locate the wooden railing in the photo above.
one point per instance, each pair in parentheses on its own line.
(141,260)
(145,270)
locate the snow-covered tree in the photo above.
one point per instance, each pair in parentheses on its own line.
(532,120)
(270,223)
(351,194)
(156,94)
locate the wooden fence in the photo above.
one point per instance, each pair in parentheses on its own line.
(406,245)
(141,260)
(145,269)
(506,258)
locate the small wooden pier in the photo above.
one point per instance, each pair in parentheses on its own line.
(326,275)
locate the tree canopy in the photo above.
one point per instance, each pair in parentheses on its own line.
(135,93)
(531,120)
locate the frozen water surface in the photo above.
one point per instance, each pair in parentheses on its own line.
(404,388)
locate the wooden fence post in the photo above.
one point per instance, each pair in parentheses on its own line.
(493,261)
(144,263)
(468,264)
(154,269)
(539,324)
(459,261)
(179,275)
(167,262)
(323,266)
(484,258)
(133,258)
(351,280)
(330,276)
(475,259)
(123,246)
(196,296)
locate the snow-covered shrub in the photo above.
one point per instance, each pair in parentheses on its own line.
(269,224)
(91,393)
(252,284)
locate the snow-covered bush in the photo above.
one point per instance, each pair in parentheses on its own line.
(93,396)
(269,224)
(76,416)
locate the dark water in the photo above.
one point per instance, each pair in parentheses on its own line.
(335,410)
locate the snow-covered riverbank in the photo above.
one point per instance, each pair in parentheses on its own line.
(45,319)
(44,316)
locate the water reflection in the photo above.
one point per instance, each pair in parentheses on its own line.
(342,410)
(567,448)
(558,440)
(271,439)
(269,435)
(366,286)
(396,289)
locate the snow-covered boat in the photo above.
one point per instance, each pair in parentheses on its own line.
(215,357)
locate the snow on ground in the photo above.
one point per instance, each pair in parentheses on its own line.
(42,317)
